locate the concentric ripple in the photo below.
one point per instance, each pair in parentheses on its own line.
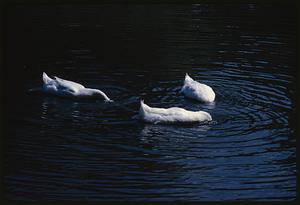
(60,149)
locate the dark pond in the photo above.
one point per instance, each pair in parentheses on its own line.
(60,149)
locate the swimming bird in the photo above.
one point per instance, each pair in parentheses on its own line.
(171,115)
(197,91)
(66,88)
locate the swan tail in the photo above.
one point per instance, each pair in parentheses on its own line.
(187,77)
(46,78)
(143,107)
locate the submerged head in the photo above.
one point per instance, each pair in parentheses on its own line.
(96,94)
(206,116)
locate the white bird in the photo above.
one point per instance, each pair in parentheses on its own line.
(197,91)
(66,88)
(171,115)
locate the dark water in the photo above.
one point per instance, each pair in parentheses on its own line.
(59,149)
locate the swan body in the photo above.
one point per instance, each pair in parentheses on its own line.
(171,115)
(66,88)
(198,91)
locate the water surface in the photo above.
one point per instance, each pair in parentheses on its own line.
(60,149)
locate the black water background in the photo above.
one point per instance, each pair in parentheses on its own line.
(134,51)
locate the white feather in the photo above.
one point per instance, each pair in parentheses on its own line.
(68,88)
(171,115)
(197,91)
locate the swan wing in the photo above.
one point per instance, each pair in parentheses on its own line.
(204,92)
(196,90)
(173,114)
(67,85)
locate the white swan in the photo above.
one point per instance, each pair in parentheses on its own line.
(171,115)
(66,88)
(197,91)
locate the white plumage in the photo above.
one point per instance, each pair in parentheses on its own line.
(66,88)
(171,115)
(197,91)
